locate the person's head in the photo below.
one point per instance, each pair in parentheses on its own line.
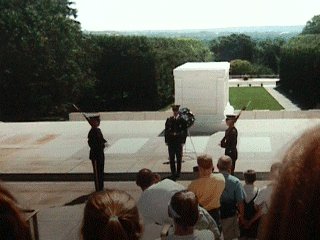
(275,170)
(175,109)
(205,165)
(95,120)
(225,164)
(296,197)
(230,120)
(145,178)
(250,176)
(12,223)
(111,215)
(184,209)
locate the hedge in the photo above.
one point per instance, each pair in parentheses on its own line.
(300,69)
(136,73)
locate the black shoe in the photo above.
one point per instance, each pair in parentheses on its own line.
(173,177)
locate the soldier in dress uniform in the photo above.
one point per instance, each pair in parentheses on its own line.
(96,143)
(175,138)
(229,141)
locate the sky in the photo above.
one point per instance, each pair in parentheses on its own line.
(124,15)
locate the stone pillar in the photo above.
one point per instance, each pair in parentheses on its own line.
(203,88)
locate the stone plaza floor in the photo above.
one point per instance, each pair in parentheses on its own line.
(59,150)
(61,147)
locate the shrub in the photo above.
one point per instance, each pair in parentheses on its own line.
(300,69)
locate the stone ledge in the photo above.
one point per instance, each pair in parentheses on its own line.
(256,114)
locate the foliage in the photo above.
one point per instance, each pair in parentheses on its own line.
(41,58)
(244,67)
(258,97)
(234,46)
(136,73)
(268,52)
(312,26)
(300,69)
(240,67)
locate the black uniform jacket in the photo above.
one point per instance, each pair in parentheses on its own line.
(175,130)
(229,142)
(96,143)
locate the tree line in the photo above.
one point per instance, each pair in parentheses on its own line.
(47,63)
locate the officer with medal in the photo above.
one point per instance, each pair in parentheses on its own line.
(175,137)
(96,143)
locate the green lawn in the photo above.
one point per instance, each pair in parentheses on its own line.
(259,97)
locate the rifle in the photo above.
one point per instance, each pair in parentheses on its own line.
(83,114)
(242,109)
(222,142)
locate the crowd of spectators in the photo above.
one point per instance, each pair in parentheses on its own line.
(216,205)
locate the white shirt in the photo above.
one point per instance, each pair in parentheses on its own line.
(197,235)
(264,198)
(153,202)
(250,192)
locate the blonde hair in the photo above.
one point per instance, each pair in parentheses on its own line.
(111,214)
(205,161)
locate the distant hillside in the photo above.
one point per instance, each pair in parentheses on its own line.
(256,33)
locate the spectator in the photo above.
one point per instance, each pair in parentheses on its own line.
(184,210)
(262,201)
(231,200)
(12,223)
(111,215)
(208,187)
(249,229)
(153,202)
(294,211)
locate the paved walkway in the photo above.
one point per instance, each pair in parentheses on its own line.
(60,149)
(55,150)
(284,101)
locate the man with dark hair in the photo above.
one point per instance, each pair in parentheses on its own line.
(231,200)
(96,143)
(184,210)
(175,136)
(249,229)
(154,199)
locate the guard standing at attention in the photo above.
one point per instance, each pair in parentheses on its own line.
(229,141)
(96,143)
(175,137)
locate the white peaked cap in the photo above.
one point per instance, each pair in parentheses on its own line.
(229,110)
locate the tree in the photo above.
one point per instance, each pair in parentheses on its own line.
(42,62)
(312,26)
(268,53)
(234,46)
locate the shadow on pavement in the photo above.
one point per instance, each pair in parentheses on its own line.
(78,200)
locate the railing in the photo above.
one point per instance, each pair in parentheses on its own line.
(253,76)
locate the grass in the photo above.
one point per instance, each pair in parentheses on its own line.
(259,97)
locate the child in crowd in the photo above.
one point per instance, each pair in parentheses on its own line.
(249,229)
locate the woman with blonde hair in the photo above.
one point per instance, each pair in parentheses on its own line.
(294,212)
(111,214)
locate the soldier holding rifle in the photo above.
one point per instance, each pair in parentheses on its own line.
(97,144)
(230,139)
